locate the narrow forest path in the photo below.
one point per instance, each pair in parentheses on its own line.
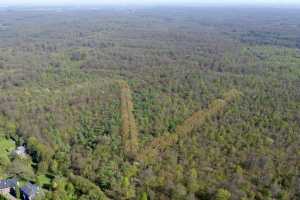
(152,150)
(129,128)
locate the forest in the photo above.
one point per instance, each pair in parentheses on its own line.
(161,103)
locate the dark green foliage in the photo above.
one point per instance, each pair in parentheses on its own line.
(2,198)
(87,188)
(21,168)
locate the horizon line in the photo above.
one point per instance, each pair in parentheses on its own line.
(228,4)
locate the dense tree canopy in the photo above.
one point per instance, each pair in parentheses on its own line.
(160,103)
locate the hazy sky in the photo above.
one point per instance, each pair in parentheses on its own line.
(148,2)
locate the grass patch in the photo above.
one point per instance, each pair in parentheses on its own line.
(43,180)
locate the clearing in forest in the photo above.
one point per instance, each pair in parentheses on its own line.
(129,127)
(160,144)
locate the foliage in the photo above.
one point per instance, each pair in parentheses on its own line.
(223,194)
(2,198)
(7,146)
(160,103)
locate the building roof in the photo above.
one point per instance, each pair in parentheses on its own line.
(21,151)
(30,190)
(8,183)
(21,148)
